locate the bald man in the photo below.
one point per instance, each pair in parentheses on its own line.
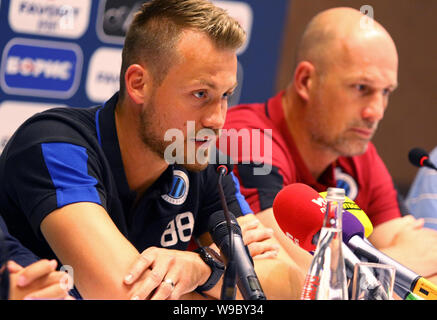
(322,125)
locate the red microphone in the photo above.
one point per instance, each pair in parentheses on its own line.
(300,206)
(300,211)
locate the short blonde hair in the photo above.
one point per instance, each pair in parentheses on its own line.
(155,29)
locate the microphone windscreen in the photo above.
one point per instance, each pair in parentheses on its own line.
(218,226)
(416,156)
(352,207)
(351,227)
(299,211)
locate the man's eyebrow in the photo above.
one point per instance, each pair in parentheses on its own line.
(213,86)
(207,83)
(369,80)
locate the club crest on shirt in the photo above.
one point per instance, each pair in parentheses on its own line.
(179,188)
(347,182)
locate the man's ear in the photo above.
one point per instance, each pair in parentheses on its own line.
(137,82)
(303,79)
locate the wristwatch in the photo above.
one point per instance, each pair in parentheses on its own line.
(213,260)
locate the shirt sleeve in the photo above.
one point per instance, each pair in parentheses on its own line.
(259,158)
(421,200)
(382,204)
(259,190)
(4,274)
(14,250)
(53,172)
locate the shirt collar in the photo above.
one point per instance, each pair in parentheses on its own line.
(108,139)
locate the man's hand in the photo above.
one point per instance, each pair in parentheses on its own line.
(414,249)
(161,274)
(38,281)
(410,245)
(257,237)
(155,266)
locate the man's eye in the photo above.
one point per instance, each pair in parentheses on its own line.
(361,87)
(386,92)
(200,94)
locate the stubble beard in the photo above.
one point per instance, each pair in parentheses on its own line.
(343,144)
(153,139)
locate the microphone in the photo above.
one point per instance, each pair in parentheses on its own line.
(302,219)
(223,169)
(420,158)
(299,211)
(405,277)
(371,283)
(350,206)
(247,279)
(239,262)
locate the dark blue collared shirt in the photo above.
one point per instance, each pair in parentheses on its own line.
(68,155)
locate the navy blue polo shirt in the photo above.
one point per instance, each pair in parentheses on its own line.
(67,155)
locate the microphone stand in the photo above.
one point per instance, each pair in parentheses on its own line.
(228,291)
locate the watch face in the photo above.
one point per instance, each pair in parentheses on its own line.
(214,255)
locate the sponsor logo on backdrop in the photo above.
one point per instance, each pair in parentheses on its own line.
(242,12)
(57,18)
(41,68)
(14,113)
(103,74)
(114,18)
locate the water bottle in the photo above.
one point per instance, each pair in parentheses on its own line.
(326,278)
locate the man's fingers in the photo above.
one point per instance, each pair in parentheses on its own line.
(14,267)
(259,248)
(171,285)
(55,291)
(144,261)
(35,271)
(249,225)
(166,288)
(256,235)
(153,279)
(266,255)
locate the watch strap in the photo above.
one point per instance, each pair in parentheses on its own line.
(212,259)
